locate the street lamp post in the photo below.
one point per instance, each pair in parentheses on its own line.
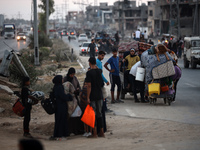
(36,48)
(47,17)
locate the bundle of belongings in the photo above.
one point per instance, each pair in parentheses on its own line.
(160,71)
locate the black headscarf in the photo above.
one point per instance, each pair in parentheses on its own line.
(70,71)
(57,79)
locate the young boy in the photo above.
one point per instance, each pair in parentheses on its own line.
(25,95)
(114,75)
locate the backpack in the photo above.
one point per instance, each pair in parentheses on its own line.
(49,104)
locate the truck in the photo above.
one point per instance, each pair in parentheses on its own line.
(9,30)
(191,52)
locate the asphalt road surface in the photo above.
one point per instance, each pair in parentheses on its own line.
(186,108)
(12,43)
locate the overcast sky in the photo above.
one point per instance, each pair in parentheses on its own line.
(22,8)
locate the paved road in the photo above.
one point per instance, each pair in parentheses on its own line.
(186,109)
(12,43)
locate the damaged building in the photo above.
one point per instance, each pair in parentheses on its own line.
(189,12)
(130,15)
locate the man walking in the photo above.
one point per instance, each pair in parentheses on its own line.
(137,35)
(94,94)
(92,48)
(114,75)
(145,36)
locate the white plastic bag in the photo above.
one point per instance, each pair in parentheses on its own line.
(134,68)
(77,112)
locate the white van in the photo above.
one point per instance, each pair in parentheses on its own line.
(191,51)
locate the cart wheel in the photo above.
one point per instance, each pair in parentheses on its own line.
(150,100)
(154,101)
(165,100)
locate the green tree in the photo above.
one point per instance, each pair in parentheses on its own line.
(42,16)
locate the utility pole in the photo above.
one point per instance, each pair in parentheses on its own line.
(122,20)
(170,19)
(47,17)
(196,30)
(178,18)
(36,48)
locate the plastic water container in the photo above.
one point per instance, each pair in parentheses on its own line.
(154,88)
(140,74)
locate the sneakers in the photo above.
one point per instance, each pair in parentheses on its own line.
(28,135)
(120,101)
(117,101)
(87,134)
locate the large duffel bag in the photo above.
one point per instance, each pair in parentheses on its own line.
(18,108)
(163,70)
(49,105)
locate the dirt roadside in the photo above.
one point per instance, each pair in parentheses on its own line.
(123,133)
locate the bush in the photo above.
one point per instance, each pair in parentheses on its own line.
(16,76)
(43,41)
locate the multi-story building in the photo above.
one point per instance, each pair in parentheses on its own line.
(129,15)
(184,14)
(153,19)
(101,14)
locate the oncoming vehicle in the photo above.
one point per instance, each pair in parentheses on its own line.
(9,31)
(82,37)
(83,49)
(21,36)
(191,52)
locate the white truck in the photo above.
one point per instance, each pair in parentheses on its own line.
(191,52)
(9,31)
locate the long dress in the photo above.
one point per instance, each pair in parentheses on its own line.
(75,123)
(61,114)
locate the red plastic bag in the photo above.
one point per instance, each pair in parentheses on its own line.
(18,108)
(89,116)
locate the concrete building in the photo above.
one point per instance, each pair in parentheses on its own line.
(129,16)
(153,19)
(189,20)
(99,15)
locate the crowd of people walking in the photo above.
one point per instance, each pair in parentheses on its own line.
(69,95)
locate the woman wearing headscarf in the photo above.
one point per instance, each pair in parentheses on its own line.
(61,113)
(70,77)
(71,86)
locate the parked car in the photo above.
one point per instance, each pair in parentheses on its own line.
(21,36)
(191,52)
(83,38)
(83,49)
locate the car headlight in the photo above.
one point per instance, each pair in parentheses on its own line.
(18,37)
(24,37)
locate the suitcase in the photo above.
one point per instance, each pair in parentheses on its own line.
(18,108)
(49,105)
